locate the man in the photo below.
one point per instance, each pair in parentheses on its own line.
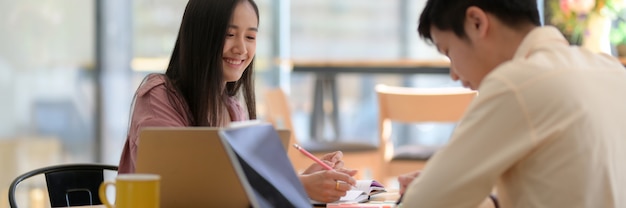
(547,128)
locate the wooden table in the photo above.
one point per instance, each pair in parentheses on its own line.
(373,66)
(382,199)
(387,200)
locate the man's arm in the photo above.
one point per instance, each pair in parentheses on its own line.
(494,135)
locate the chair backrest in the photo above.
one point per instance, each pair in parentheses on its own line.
(414,105)
(68,184)
(279,114)
(279,111)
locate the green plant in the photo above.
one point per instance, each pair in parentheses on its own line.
(571,16)
(618,34)
(618,31)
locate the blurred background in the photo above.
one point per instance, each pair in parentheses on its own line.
(69,68)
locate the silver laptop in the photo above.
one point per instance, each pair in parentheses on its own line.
(244,166)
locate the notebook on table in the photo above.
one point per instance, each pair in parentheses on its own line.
(361,192)
(230,167)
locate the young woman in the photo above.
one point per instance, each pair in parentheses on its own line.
(210,70)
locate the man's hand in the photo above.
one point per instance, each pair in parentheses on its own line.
(406,179)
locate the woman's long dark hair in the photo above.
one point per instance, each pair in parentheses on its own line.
(195,68)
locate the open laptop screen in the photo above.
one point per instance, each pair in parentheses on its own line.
(265,163)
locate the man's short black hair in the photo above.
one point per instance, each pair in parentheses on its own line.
(450,14)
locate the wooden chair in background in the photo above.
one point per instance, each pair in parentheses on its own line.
(359,155)
(21,154)
(414,105)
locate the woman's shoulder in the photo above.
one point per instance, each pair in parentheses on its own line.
(152,82)
(157,90)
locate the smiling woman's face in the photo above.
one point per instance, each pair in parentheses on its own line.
(240,44)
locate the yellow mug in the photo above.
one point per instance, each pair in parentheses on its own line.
(133,190)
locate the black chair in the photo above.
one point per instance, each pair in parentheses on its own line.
(68,184)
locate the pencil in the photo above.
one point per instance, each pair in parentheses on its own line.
(308,154)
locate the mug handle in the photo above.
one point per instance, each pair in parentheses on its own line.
(103,194)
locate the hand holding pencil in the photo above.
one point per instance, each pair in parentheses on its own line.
(315,159)
(332,160)
(326,180)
